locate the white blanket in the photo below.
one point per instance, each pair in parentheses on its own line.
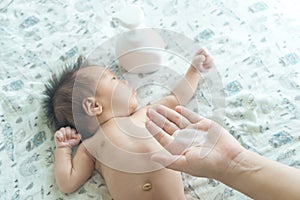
(256,49)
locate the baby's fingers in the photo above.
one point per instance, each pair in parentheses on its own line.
(203,51)
(209,62)
(68,133)
(74,142)
(77,137)
(198,62)
(59,136)
(63,133)
(73,132)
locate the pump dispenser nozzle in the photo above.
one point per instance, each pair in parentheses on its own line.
(139,49)
(130,17)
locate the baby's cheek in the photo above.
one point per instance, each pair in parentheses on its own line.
(134,103)
(121,97)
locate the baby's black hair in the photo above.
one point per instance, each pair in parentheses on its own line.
(56,94)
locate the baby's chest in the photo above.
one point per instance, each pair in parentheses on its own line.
(130,134)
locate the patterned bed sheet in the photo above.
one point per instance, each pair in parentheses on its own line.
(256,49)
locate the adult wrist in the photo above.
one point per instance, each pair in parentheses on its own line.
(240,165)
(242,171)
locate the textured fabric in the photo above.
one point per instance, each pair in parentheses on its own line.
(256,49)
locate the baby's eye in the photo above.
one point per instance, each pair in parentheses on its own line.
(114,78)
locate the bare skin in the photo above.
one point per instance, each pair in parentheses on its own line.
(122,130)
(224,159)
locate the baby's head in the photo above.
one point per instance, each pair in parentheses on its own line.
(85,97)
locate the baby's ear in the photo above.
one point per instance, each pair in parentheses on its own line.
(91,106)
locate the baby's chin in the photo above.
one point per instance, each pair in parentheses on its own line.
(134,108)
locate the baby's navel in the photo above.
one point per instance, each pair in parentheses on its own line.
(147,186)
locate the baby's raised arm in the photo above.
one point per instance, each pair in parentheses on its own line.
(185,89)
(71,173)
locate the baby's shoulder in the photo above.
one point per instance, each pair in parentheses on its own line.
(83,151)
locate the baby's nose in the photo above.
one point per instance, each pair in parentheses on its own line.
(125,82)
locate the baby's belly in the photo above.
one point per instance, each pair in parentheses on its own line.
(162,184)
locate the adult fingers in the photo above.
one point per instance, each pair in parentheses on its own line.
(172,116)
(188,114)
(204,124)
(161,121)
(159,134)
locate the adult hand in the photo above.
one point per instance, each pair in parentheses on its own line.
(197,145)
(216,154)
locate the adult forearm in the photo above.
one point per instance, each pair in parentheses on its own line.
(262,178)
(186,88)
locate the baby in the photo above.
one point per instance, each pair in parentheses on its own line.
(103,109)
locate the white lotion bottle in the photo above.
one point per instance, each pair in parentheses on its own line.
(140,49)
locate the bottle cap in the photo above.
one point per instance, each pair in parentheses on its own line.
(131,16)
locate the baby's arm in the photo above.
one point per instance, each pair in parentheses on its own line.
(71,173)
(185,89)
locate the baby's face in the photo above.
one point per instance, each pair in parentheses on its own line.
(113,93)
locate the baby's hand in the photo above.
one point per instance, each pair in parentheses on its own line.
(66,137)
(202,60)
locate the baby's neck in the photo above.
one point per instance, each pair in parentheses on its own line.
(106,117)
(107,120)
(130,126)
